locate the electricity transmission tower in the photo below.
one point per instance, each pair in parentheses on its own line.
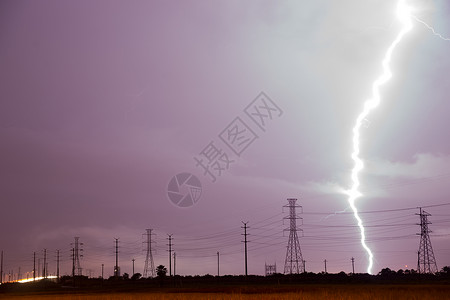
(294,262)
(426,263)
(76,254)
(149,267)
(270,269)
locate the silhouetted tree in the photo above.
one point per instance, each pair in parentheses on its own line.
(161,271)
(136,276)
(386,272)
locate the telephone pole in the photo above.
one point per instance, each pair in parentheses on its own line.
(294,262)
(133,266)
(103,265)
(218,264)
(34,266)
(245,244)
(174,262)
(116,267)
(325,261)
(426,263)
(73,263)
(1,268)
(57,265)
(44,274)
(170,253)
(353,265)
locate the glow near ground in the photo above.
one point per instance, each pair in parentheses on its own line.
(405,18)
(32,279)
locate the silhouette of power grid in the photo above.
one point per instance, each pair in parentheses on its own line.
(217,251)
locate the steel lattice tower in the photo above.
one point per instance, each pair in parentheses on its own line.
(294,262)
(426,263)
(149,271)
(76,254)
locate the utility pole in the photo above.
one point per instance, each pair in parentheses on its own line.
(426,262)
(44,274)
(353,265)
(34,266)
(218,274)
(149,267)
(174,262)
(304,266)
(170,253)
(116,267)
(1,268)
(73,262)
(418,261)
(57,264)
(245,244)
(133,266)
(325,261)
(102,270)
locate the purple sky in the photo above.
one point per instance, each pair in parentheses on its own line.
(102,102)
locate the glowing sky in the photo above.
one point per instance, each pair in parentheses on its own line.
(101,103)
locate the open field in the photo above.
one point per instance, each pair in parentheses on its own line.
(343,292)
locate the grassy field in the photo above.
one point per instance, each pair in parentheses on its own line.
(343,292)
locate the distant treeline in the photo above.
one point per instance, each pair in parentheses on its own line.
(227,283)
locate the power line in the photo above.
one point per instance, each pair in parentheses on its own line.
(378,211)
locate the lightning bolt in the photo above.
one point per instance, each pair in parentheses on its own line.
(405,18)
(431,28)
